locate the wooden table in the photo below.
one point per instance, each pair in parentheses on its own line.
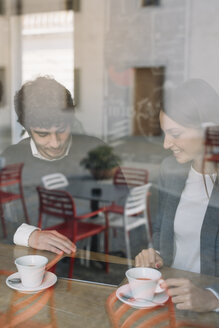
(210,318)
(73,303)
(70,303)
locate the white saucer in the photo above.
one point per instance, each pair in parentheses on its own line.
(48,281)
(124,294)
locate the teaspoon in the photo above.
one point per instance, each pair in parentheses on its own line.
(129,298)
(15,280)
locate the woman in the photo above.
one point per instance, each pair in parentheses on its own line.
(186,231)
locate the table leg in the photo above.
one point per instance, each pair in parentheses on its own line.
(94,205)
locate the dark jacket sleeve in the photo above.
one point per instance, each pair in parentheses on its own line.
(170,185)
(158,220)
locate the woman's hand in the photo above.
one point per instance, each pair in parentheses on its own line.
(187,296)
(52,241)
(149,258)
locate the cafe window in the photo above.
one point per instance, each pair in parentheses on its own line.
(42,34)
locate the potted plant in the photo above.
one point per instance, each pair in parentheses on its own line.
(101,161)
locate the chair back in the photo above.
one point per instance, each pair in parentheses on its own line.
(54,181)
(60,204)
(57,203)
(212,136)
(211,143)
(137,209)
(130,176)
(118,131)
(11,174)
(136,201)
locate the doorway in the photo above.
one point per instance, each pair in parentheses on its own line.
(148,100)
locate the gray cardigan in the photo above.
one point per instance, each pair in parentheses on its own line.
(171,184)
(34,168)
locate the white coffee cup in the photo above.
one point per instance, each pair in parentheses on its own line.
(31,269)
(143,282)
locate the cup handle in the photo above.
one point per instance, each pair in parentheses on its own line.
(158,288)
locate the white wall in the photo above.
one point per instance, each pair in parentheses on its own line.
(204,41)
(141,37)
(122,35)
(4,63)
(5,115)
(89,59)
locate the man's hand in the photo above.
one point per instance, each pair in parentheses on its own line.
(149,258)
(187,296)
(52,241)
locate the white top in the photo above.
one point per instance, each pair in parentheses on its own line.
(23,233)
(188,221)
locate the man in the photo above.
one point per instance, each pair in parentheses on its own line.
(53,241)
(45,109)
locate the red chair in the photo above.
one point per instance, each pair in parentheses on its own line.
(132,177)
(60,204)
(211,143)
(11,175)
(123,316)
